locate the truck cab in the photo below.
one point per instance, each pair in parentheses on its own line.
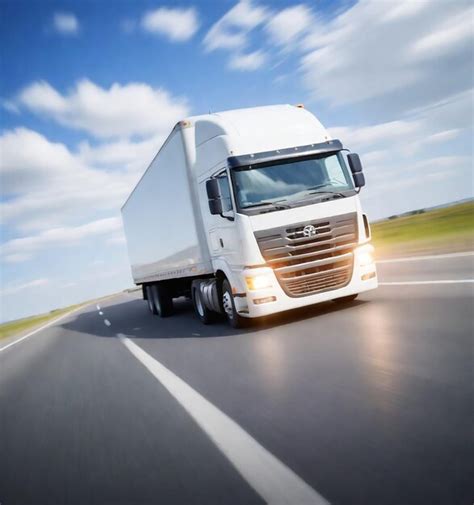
(281,211)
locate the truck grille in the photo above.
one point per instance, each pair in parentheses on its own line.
(320,259)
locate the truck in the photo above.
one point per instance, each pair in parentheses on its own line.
(249,212)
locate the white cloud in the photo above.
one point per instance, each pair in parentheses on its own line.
(247,62)
(454,31)
(230,32)
(178,25)
(28,160)
(394,140)
(120,111)
(406,9)
(27,247)
(348,62)
(14,288)
(65,23)
(288,24)
(379,134)
(400,156)
(440,122)
(128,155)
(48,185)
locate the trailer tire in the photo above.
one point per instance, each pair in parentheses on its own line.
(205,315)
(346,299)
(149,300)
(228,307)
(162,300)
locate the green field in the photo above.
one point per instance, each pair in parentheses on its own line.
(30,323)
(437,230)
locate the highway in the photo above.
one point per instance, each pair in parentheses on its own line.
(364,403)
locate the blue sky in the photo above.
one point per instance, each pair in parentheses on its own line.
(89,90)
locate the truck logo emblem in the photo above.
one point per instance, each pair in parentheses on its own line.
(309,231)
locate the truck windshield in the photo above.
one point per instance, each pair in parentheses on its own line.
(292,180)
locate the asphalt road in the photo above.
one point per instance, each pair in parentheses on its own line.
(365,403)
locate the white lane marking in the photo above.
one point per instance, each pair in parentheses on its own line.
(415,283)
(51,323)
(431,257)
(107,322)
(101,313)
(271,479)
(98,307)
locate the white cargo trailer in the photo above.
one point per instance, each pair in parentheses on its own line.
(249,212)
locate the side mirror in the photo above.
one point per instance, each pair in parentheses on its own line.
(215,207)
(218,204)
(356,168)
(213,190)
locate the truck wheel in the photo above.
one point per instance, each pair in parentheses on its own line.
(346,299)
(228,307)
(162,300)
(149,300)
(205,315)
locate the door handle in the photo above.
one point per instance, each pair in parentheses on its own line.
(221,242)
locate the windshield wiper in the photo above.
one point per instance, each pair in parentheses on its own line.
(334,193)
(272,206)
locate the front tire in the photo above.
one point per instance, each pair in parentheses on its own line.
(162,300)
(228,307)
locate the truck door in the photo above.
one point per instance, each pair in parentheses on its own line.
(223,240)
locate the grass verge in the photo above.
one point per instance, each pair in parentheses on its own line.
(30,323)
(446,229)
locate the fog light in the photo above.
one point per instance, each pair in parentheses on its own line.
(368,276)
(365,255)
(268,299)
(258,282)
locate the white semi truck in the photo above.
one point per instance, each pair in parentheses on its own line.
(249,212)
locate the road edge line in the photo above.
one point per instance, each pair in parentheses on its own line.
(37,330)
(420,283)
(427,257)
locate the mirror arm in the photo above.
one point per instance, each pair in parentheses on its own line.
(227,217)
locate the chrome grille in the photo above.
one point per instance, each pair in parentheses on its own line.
(305,265)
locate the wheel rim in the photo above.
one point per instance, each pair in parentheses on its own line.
(227,304)
(199,306)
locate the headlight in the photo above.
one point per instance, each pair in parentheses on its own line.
(365,254)
(256,282)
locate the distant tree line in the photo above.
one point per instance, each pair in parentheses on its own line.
(410,213)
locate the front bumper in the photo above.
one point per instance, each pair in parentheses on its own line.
(273,299)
